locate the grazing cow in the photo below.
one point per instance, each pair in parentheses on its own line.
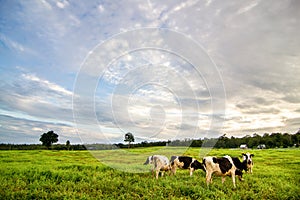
(247,158)
(185,162)
(224,166)
(160,164)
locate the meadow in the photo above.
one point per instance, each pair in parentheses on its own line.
(45,174)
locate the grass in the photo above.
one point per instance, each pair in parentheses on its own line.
(80,175)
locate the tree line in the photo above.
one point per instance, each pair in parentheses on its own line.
(269,140)
(41,147)
(273,140)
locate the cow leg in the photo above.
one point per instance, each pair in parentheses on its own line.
(162,173)
(157,172)
(173,170)
(174,166)
(233,179)
(240,178)
(191,171)
(223,179)
(208,178)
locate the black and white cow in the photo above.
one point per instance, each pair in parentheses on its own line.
(160,164)
(185,162)
(224,166)
(247,157)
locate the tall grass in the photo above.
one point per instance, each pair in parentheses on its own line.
(80,175)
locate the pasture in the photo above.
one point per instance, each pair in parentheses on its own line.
(122,175)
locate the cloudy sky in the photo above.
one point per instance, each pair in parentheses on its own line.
(95,70)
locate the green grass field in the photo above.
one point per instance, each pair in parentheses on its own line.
(80,175)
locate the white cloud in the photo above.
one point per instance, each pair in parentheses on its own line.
(101,8)
(47,84)
(45,4)
(29,97)
(247,8)
(14,45)
(208,2)
(62,4)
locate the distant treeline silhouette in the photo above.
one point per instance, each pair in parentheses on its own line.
(272,140)
(41,147)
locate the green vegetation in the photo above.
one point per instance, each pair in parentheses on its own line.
(79,175)
(49,138)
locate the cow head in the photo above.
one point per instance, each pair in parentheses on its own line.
(197,165)
(248,158)
(149,160)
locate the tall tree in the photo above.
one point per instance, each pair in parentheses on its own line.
(68,144)
(49,138)
(129,138)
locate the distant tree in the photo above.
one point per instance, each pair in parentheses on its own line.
(296,138)
(277,139)
(68,144)
(233,142)
(129,138)
(144,144)
(49,138)
(222,142)
(196,143)
(287,140)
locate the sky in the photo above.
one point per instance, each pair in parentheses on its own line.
(92,71)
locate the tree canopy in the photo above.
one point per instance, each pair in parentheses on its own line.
(129,138)
(68,144)
(49,138)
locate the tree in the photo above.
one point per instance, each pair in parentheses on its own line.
(129,138)
(296,138)
(68,144)
(49,138)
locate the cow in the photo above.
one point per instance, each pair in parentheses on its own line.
(247,157)
(224,166)
(160,164)
(185,162)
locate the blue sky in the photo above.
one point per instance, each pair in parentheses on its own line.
(244,80)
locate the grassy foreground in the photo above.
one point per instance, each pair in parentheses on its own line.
(80,175)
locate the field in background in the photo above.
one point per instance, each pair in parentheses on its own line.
(79,175)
